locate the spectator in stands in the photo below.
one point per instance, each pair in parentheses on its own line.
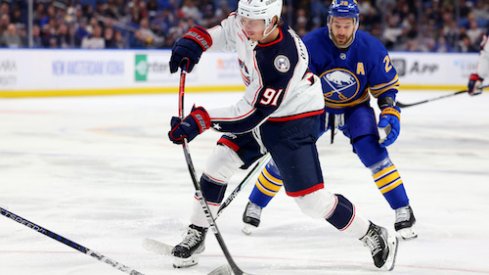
(109,37)
(4,8)
(157,23)
(94,41)
(36,37)
(63,37)
(145,37)
(464,44)
(120,42)
(11,38)
(442,46)
(393,32)
(190,10)
(474,32)
(4,22)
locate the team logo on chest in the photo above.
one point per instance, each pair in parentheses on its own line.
(282,63)
(339,85)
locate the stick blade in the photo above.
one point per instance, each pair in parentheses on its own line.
(227,270)
(157,247)
(222,270)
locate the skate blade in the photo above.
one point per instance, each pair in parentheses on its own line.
(390,262)
(185,262)
(407,233)
(248,229)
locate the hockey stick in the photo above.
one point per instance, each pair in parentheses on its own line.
(165,249)
(198,193)
(402,105)
(69,243)
(245,180)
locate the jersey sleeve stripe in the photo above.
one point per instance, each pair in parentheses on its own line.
(243,116)
(260,80)
(378,93)
(384,85)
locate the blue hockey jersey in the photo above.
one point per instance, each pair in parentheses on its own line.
(349,76)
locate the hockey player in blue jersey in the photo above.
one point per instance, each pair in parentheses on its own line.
(279,113)
(350,63)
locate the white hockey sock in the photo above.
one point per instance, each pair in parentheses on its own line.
(358,227)
(198,217)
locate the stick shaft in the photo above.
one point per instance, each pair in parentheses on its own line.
(70,243)
(198,192)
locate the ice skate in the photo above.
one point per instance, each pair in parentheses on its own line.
(405,221)
(251,217)
(187,252)
(382,245)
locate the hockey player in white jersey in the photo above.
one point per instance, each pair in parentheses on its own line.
(279,113)
(476,79)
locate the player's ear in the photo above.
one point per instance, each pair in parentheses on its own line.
(275,21)
(271,26)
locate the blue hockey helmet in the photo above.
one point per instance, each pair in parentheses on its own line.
(344,9)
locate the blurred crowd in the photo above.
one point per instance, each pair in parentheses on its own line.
(402,25)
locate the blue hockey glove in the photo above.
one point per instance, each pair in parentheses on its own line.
(192,125)
(475,82)
(390,122)
(190,47)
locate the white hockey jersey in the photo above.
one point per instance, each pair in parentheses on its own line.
(483,65)
(279,86)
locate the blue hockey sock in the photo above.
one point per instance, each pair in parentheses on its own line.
(267,185)
(390,183)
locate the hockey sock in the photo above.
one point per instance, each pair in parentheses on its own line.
(390,183)
(213,191)
(267,185)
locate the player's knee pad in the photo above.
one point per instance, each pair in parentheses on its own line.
(342,214)
(212,190)
(318,204)
(222,164)
(369,150)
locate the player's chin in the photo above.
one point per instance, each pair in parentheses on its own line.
(254,37)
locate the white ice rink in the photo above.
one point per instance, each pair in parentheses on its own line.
(101,171)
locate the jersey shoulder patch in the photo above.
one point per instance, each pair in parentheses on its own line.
(278,57)
(282,63)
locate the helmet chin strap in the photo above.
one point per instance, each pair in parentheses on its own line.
(265,33)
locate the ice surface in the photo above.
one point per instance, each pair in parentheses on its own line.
(100,171)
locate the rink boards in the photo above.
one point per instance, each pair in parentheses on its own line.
(75,72)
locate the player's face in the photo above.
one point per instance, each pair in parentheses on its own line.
(253,28)
(342,29)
